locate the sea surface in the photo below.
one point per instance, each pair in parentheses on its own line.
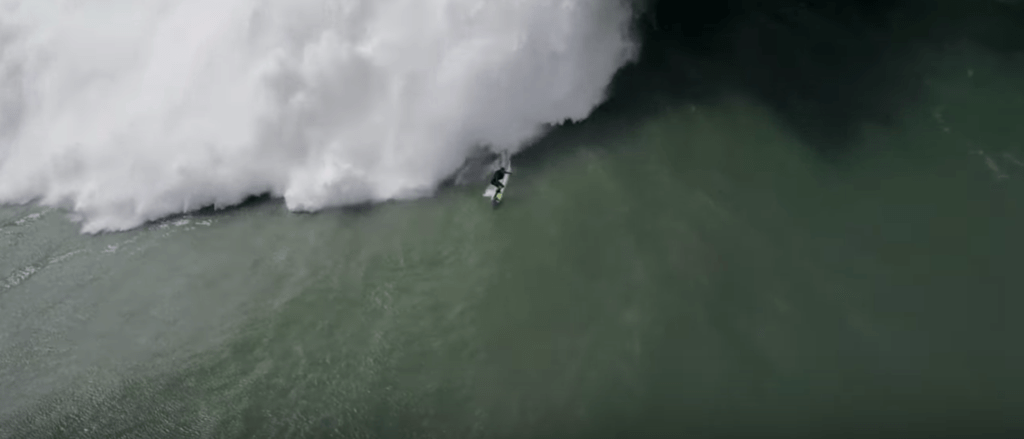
(785,225)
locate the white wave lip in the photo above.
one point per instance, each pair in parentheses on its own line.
(125,111)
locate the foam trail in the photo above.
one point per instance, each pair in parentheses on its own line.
(125,111)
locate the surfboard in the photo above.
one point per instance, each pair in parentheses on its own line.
(492,191)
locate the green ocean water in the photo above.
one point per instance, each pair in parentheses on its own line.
(695,268)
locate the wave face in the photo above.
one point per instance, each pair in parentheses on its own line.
(125,111)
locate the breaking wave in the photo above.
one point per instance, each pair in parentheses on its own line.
(125,111)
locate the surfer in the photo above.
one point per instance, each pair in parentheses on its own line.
(498,175)
(497,186)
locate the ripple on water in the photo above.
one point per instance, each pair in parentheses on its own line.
(18,276)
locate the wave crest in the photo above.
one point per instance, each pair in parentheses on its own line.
(129,110)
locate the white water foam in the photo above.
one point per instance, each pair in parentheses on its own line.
(125,111)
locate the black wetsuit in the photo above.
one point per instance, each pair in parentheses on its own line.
(498,175)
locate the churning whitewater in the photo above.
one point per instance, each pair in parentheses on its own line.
(125,111)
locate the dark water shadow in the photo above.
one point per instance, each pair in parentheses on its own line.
(267,200)
(826,68)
